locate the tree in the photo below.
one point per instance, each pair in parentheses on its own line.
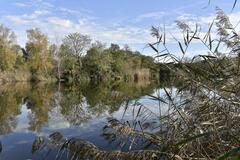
(7,37)
(77,44)
(56,53)
(114,48)
(97,62)
(8,54)
(68,62)
(38,48)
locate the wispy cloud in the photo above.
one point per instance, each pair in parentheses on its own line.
(151,15)
(53,25)
(55,21)
(20,4)
(34,3)
(71,11)
(38,13)
(17,20)
(65,23)
(26,18)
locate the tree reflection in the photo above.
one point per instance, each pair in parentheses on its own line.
(77,104)
(111,97)
(10,98)
(81,103)
(40,103)
(14,96)
(73,106)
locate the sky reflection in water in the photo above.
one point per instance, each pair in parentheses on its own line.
(28,111)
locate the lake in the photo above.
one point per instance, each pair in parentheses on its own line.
(32,114)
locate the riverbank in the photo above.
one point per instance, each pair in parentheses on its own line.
(24,76)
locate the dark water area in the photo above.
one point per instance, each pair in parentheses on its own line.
(29,111)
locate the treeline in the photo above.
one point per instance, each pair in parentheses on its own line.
(74,58)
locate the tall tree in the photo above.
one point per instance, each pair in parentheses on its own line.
(7,37)
(38,47)
(97,62)
(8,53)
(78,45)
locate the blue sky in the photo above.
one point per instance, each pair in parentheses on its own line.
(110,21)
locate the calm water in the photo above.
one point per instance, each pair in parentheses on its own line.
(29,111)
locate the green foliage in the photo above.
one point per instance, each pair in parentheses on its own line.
(77,44)
(41,61)
(8,53)
(7,59)
(68,60)
(97,63)
(104,63)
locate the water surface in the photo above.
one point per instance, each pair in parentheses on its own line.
(28,111)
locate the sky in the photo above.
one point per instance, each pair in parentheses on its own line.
(111,21)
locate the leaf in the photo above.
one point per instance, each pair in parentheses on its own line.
(164,38)
(234,5)
(162,55)
(195,37)
(210,42)
(168,95)
(153,47)
(139,111)
(163,51)
(157,98)
(206,37)
(216,49)
(194,34)
(160,39)
(234,35)
(207,123)
(181,47)
(185,42)
(208,56)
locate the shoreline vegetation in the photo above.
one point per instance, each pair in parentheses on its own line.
(74,60)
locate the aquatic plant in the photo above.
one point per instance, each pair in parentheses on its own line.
(77,148)
(205,125)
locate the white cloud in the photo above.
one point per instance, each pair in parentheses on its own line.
(151,15)
(62,9)
(26,18)
(36,14)
(187,17)
(17,20)
(19,4)
(60,22)
(34,3)
(54,25)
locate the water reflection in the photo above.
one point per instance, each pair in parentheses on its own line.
(76,104)
(32,111)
